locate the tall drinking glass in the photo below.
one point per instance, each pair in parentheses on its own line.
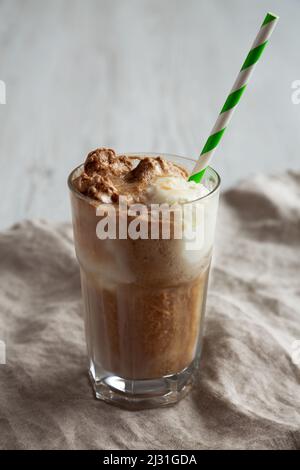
(144,300)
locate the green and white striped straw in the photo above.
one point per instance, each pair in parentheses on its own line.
(234,96)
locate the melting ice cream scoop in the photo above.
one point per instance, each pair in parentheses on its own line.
(172,189)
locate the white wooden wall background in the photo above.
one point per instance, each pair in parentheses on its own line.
(137,75)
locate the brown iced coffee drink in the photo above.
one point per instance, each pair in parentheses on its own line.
(144,297)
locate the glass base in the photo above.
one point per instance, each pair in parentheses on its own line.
(142,394)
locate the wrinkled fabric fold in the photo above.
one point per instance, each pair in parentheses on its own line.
(247,393)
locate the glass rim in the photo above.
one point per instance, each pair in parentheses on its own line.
(146,154)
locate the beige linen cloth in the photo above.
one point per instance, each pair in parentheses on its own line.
(247,393)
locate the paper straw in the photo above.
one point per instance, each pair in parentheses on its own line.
(234,96)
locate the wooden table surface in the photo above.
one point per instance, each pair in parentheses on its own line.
(137,75)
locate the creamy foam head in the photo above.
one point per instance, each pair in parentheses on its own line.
(174,189)
(104,178)
(107,176)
